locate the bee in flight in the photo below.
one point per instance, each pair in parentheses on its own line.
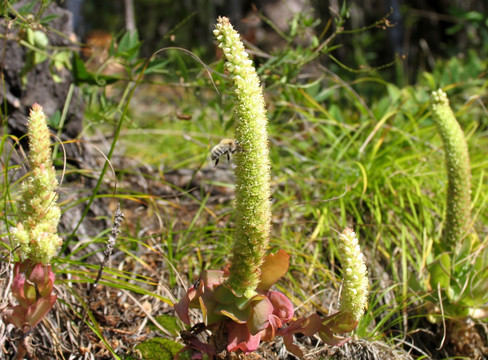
(224,147)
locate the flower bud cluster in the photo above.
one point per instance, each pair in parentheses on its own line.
(39,214)
(458,207)
(36,232)
(355,286)
(253,206)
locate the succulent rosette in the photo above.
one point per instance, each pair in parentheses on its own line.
(32,288)
(246,321)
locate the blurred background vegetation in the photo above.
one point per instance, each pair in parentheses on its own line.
(420,32)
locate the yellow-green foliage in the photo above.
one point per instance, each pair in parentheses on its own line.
(253,207)
(458,169)
(36,231)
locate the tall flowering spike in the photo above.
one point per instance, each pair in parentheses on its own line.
(355,288)
(458,170)
(253,206)
(39,214)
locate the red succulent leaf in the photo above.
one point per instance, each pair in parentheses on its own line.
(239,338)
(260,314)
(240,316)
(24,290)
(248,321)
(223,294)
(38,274)
(26,318)
(209,307)
(291,347)
(270,332)
(18,288)
(237,308)
(212,281)
(341,322)
(329,338)
(308,326)
(213,278)
(31,283)
(183,306)
(14,315)
(40,309)
(282,306)
(274,267)
(32,287)
(200,295)
(17,269)
(43,277)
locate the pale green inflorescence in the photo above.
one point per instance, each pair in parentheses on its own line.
(253,206)
(458,170)
(39,214)
(355,286)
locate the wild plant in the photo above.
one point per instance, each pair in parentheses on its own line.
(458,276)
(35,235)
(237,303)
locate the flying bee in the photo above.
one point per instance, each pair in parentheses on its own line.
(224,147)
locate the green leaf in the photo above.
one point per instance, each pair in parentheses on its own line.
(430,79)
(27,8)
(46,19)
(155,66)
(440,272)
(393,92)
(129,45)
(82,76)
(54,120)
(475,16)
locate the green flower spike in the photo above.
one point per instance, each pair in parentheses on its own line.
(237,303)
(458,170)
(253,206)
(355,288)
(36,231)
